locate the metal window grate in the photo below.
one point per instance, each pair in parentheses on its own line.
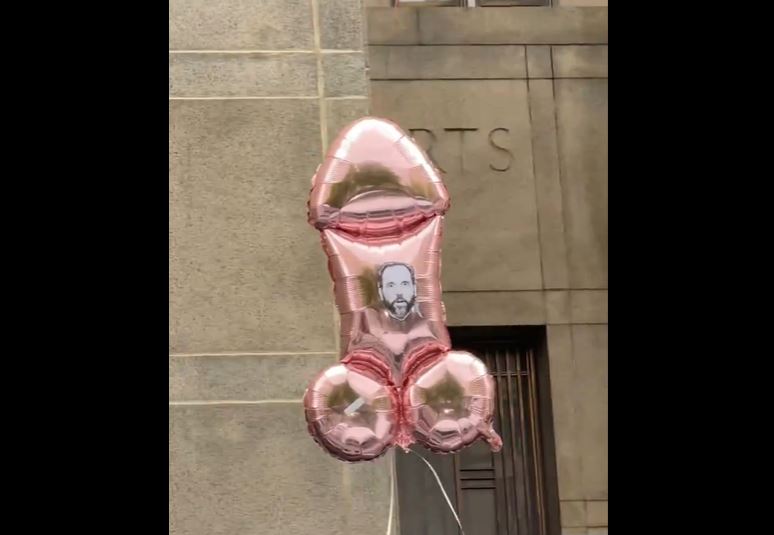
(512,492)
(514,474)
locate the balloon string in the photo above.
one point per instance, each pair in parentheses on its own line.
(392,499)
(440,485)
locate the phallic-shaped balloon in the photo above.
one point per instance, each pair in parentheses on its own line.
(378,203)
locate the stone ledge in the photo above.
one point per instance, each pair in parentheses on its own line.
(525,25)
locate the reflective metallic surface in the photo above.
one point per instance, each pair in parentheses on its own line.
(451,403)
(350,415)
(378,203)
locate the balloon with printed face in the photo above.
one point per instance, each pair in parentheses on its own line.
(378,203)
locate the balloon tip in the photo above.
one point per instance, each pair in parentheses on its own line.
(495,442)
(404,440)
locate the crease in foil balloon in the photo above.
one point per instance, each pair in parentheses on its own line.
(379,205)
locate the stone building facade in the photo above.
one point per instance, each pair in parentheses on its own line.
(510,101)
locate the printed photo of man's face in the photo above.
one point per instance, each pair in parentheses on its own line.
(397,289)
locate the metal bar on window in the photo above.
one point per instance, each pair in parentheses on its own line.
(523,428)
(501,497)
(501,398)
(519,453)
(536,442)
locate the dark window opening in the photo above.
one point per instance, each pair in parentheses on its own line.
(514,491)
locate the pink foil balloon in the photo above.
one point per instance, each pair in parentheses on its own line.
(451,403)
(378,203)
(351,415)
